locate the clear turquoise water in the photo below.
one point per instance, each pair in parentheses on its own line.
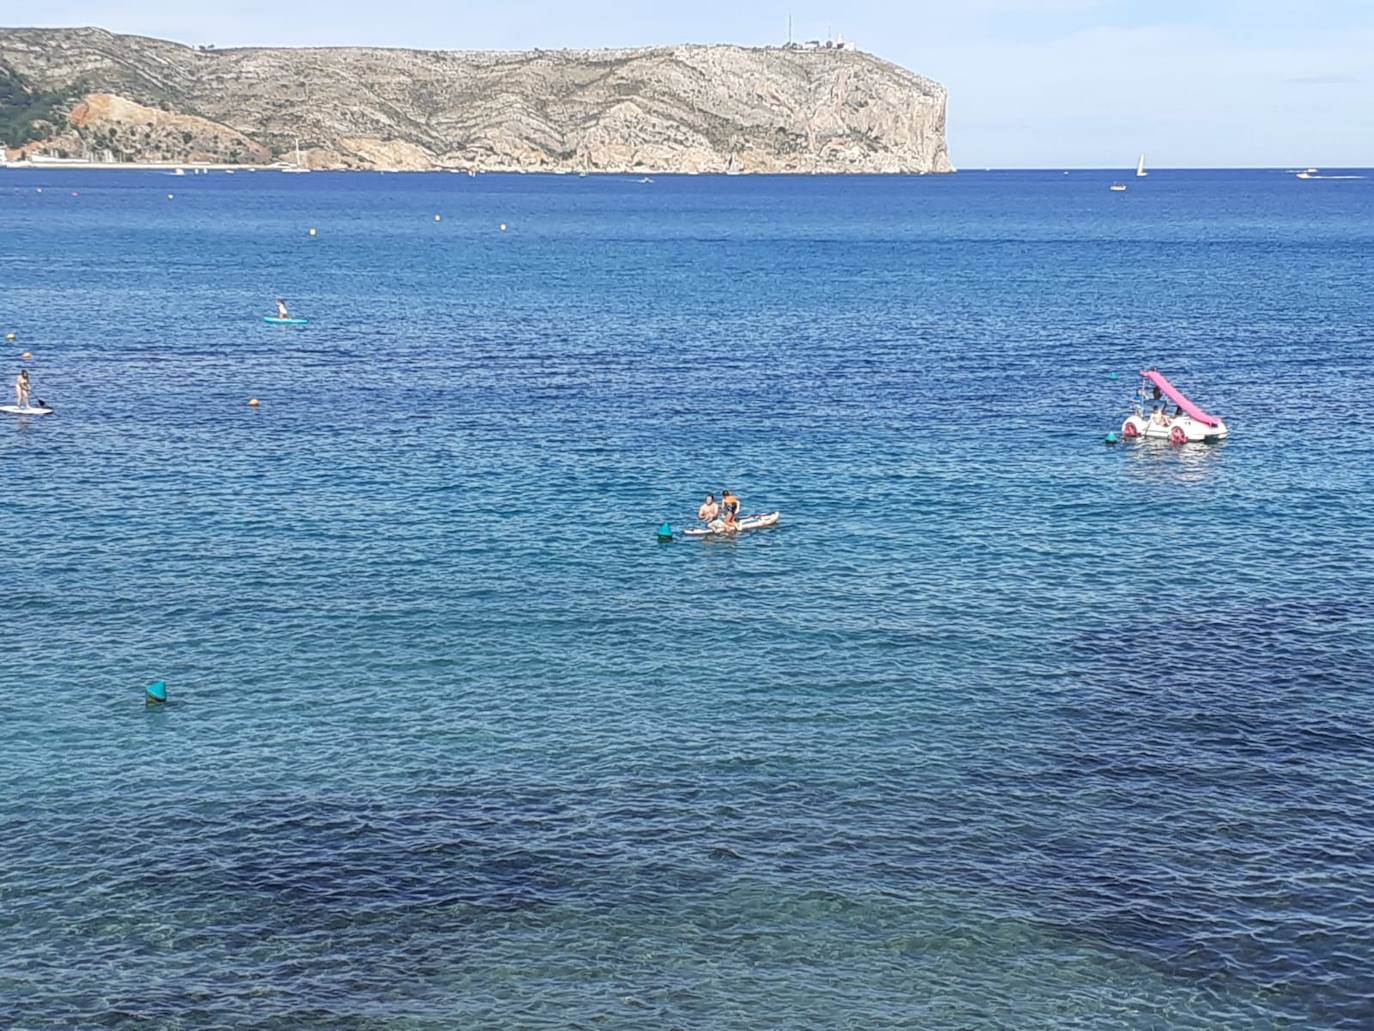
(1000,728)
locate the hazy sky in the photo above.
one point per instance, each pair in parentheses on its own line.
(1033,83)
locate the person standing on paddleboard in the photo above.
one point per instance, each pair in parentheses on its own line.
(22,388)
(729,505)
(281,308)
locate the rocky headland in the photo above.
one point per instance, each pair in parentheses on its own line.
(88,92)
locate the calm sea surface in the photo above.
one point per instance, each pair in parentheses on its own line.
(999,728)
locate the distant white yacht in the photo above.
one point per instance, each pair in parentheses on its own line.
(1117,187)
(1312,173)
(1140,168)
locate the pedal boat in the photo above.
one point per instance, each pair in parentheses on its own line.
(1150,417)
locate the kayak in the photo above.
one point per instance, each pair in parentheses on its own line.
(31,410)
(284,322)
(750,522)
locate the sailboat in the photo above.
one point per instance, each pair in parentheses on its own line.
(298,166)
(1140,168)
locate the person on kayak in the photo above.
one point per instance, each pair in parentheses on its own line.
(21,388)
(729,506)
(709,510)
(281,309)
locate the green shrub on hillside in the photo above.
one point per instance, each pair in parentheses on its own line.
(22,106)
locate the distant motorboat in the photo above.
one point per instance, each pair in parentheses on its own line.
(1312,173)
(1117,187)
(179,171)
(1140,168)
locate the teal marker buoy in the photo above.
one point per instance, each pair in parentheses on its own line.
(665,532)
(1113,376)
(155,693)
(1112,438)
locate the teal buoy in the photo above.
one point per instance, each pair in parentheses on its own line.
(156,693)
(665,532)
(1113,375)
(1112,438)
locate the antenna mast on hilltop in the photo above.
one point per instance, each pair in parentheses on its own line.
(789,30)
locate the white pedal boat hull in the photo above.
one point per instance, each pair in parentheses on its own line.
(1179,430)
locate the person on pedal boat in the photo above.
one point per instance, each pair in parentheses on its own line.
(729,507)
(709,510)
(22,388)
(281,309)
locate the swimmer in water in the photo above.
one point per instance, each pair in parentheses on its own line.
(709,510)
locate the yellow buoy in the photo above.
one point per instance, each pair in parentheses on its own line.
(9,336)
(312,230)
(253,402)
(26,356)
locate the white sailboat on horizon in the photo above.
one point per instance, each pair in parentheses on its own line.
(1140,168)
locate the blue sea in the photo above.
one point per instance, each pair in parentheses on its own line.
(1000,727)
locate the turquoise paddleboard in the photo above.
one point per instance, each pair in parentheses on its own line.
(285,322)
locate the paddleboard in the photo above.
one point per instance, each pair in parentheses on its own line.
(16,410)
(284,322)
(750,522)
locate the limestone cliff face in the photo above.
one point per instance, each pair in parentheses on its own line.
(667,109)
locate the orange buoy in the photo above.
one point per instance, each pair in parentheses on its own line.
(253,402)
